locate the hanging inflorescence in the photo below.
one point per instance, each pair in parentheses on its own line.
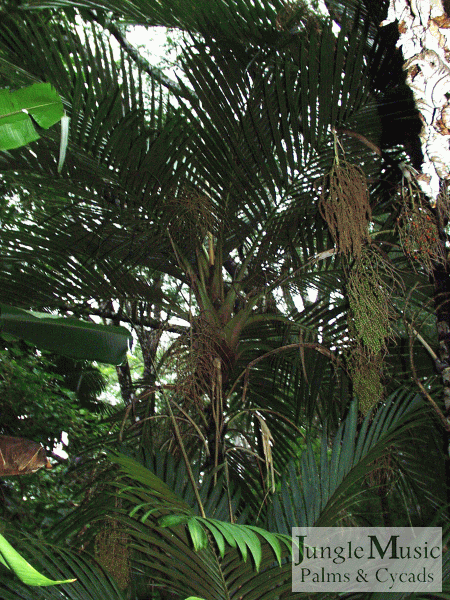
(190,216)
(366,371)
(344,204)
(192,359)
(370,325)
(111,552)
(418,230)
(369,297)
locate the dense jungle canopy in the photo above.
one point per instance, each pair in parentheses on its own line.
(256,220)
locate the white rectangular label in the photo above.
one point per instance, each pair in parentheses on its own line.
(367,559)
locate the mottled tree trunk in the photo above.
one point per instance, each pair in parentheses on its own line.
(125,382)
(424,39)
(149,342)
(123,371)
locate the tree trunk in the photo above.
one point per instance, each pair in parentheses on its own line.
(424,38)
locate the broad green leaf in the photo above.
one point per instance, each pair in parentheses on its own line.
(229,538)
(70,337)
(217,535)
(171,520)
(138,507)
(147,514)
(242,538)
(198,535)
(270,539)
(39,103)
(24,571)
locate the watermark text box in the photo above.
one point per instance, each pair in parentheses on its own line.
(367,559)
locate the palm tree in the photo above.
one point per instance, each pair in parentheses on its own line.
(223,200)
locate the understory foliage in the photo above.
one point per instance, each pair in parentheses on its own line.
(250,221)
(42,396)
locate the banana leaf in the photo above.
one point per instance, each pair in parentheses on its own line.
(20,110)
(67,336)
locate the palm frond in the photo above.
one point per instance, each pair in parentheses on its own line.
(176,549)
(329,486)
(218,18)
(160,515)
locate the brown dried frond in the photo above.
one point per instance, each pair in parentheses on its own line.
(366,371)
(369,297)
(19,456)
(111,552)
(418,230)
(344,204)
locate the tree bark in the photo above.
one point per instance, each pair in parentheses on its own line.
(424,38)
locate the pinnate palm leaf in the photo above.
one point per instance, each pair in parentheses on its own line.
(164,529)
(325,489)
